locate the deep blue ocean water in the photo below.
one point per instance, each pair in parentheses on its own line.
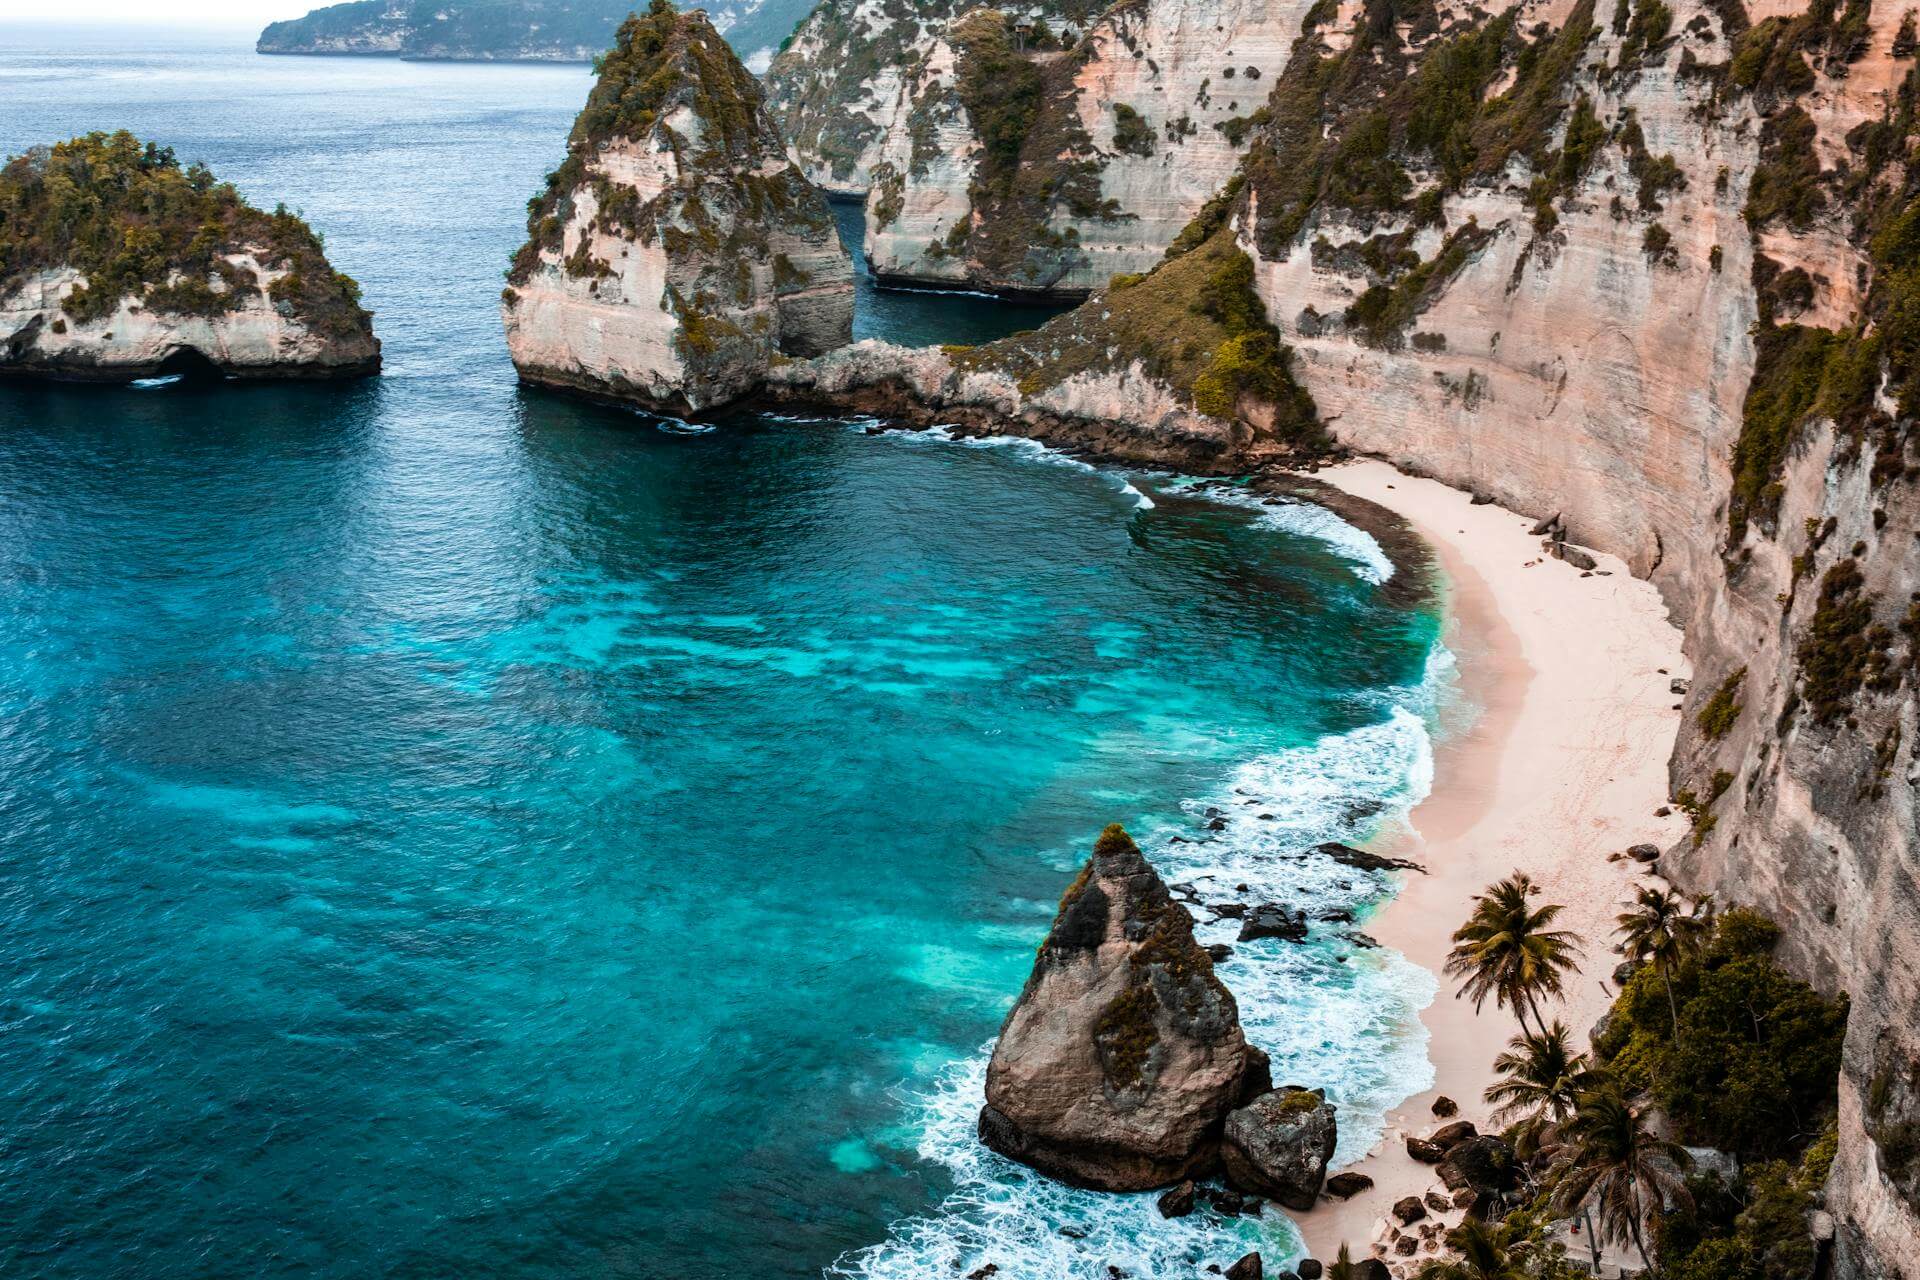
(447,829)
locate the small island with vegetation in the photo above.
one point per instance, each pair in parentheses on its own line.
(117,262)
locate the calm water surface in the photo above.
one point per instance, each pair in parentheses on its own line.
(450,830)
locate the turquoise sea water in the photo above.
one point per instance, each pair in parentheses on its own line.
(451,830)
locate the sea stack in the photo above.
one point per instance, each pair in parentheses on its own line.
(677,252)
(1122,1058)
(118,263)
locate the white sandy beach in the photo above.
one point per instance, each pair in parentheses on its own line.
(1564,766)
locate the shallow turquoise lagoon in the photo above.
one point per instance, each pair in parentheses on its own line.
(447,830)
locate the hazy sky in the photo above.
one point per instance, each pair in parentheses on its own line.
(198,13)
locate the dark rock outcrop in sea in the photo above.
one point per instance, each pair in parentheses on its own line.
(1118,1065)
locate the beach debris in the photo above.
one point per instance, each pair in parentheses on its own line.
(1118,1065)
(1677,686)
(1278,1146)
(1546,527)
(1480,500)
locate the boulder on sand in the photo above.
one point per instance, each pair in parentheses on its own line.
(1278,1146)
(1484,1164)
(1118,1065)
(1345,1186)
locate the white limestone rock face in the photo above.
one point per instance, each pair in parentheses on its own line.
(1133,128)
(257,338)
(850,85)
(677,253)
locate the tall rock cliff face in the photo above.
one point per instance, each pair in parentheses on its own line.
(1652,267)
(995,154)
(677,253)
(1650,264)
(117,263)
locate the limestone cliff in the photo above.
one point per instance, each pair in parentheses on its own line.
(997,150)
(676,253)
(1654,266)
(117,263)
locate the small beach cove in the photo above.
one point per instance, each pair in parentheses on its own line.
(461,828)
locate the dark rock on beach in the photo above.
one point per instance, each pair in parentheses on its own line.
(1360,860)
(1248,1268)
(1123,1056)
(1345,1186)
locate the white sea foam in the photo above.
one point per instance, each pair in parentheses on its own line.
(1307,520)
(1333,1014)
(154,384)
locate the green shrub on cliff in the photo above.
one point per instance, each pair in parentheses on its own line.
(1751,1062)
(1194,322)
(136,224)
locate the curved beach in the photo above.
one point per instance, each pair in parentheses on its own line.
(1563,767)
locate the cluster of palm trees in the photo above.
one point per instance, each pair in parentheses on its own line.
(1603,1161)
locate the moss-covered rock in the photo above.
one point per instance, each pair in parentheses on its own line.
(1119,1063)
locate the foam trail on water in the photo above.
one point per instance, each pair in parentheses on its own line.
(1333,1012)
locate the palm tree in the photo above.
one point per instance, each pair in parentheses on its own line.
(1482,1255)
(1542,1078)
(1615,1164)
(1660,930)
(1506,950)
(1342,1267)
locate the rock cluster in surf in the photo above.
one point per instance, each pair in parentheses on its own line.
(1123,1065)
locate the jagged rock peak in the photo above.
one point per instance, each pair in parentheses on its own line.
(676,252)
(117,263)
(1124,1054)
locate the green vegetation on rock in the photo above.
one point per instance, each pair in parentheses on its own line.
(1193,322)
(137,225)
